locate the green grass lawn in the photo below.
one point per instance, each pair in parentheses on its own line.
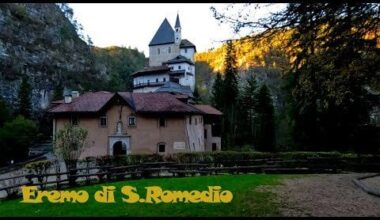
(246,202)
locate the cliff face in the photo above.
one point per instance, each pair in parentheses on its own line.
(38,41)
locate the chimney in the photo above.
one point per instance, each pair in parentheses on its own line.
(68,97)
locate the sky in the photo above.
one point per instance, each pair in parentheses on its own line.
(134,25)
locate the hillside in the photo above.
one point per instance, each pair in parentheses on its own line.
(41,42)
(250,53)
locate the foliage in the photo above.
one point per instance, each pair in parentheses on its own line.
(5,114)
(230,97)
(247,109)
(120,63)
(265,120)
(217,92)
(16,136)
(24,98)
(333,49)
(69,143)
(39,168)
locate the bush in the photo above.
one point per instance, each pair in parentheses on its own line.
(39,168)
(15,138)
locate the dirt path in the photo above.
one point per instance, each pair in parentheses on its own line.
(326,195)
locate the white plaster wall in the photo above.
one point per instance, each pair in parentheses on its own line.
(151,78)
(156,59)
(188,52)
(195,133)
(210,139)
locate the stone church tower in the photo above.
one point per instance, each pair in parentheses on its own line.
(171,63)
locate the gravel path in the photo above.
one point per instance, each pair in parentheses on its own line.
(326,195)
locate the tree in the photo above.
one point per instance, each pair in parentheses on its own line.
(16,136)
(69,143)
(217,92)
(24,98)
(265,120)
(196,95)
(230,97)
(58,92)
(335,55)
(5,115)
(246,108)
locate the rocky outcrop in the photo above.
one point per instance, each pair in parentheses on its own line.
(38,41)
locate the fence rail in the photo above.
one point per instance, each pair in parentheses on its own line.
(98,174)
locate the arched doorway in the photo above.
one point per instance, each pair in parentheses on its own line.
(119,148)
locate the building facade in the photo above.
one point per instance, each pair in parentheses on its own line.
(171,59)
(139,123)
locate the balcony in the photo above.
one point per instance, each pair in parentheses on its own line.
(148,84)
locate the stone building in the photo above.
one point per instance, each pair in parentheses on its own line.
(171,59)
(139,123)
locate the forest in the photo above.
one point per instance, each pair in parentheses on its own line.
(309,80)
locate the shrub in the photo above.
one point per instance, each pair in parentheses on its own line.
(15,138)
(39,168)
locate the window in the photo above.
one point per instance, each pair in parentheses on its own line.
(164,79)
(162,122)
(190,120)
(200,120)
(170,50)
(205,134)
(196,121)
(74,120)
(157,80)
(103,121)
(179,67)
(213,146)
(185,50)
(148,81)
(161,147)
(158,50)
(132,121)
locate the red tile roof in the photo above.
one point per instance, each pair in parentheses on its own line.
(208,109)
(158,102)
(88,102)
(140,102)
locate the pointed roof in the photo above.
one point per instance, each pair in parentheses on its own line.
(172,87)
(164,34)
(177,23)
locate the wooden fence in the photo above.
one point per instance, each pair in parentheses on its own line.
(99,174)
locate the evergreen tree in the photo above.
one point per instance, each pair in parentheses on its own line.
(5,115)
(246,107)
(24,98)
(264,120)
(230,95)
(196,95)
(58,92)
(334,49)
(217,92)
